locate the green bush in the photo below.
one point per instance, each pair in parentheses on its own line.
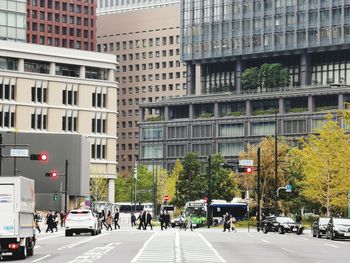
(235,113)
(206,115)
(264,112)
(155,118)
(296,110)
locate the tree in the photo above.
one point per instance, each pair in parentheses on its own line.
(267,150)
(268,76)
(222,180)
(250,79)
(98,188)
(190,185)
(124,188)
(326,167)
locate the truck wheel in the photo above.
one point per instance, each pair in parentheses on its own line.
(30,250)
(22,253)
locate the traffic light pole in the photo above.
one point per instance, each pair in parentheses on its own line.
(258,217)
(66,187)
(276,164)
(209,193)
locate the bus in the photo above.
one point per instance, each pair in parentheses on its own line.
(198,212)
(238,209)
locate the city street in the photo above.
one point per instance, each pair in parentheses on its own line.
(201,245)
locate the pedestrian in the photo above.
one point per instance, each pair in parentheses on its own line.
(298,218)
(143,219)
(133,219)
(109,221)
(167,220)
(182,221)
(162,220)
(116,219)
(36,221)
(62,217)
(232,222)
(189,222)
(226,222)
(103,218)
(49,222)
(148,220)
(139,219)
(56,220)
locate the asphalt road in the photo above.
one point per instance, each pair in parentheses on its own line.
(202,245)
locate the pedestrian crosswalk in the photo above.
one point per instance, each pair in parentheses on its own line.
(177,247)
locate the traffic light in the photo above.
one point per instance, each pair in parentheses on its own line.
(39,157)
(247,170)
(55,197)
(52,174)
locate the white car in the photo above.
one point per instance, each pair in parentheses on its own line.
(82,221)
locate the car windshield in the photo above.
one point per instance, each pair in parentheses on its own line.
(284,220)
(324,221)
(341,221)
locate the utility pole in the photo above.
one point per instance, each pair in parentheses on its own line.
(135,178)
(258,192)
(209,193)
(0,154)
(66,187)
(276,163)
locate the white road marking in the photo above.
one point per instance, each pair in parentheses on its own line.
(82,242)
(143,248)
(212,248)
(288,250)
(38,259)
(94,254)
(330,245)
(178,255)
(49,237)
(265,241)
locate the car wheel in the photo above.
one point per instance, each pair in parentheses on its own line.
(173,225)
(332,236)
(319,236)
(299,232)
(313,234)
(280,230)
(93,232)
(264,230)
(69,233)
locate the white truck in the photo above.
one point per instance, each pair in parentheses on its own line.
(17,202)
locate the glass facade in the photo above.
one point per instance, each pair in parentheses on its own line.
(13,20)
(221,28)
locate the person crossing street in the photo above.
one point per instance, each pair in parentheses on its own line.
(116,220)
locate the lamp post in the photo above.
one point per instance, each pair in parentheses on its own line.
(209,193)
(258,193)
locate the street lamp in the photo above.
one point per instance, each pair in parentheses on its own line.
(276,162)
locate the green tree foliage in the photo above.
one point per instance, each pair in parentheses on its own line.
(222,180)
(190,184)
(326,167)
(123,188)
(267,76)
(250,79)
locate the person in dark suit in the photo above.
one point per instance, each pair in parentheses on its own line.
(167,220)
(116,220)
(148,220)
(162,220)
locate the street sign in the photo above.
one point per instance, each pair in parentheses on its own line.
(246,163)
(289,188)
(19,153)
(166,198)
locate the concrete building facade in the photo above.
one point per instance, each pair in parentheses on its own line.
(13,20)
(119,6)
(54,90)
(147,47)
(62,23)
(219,40)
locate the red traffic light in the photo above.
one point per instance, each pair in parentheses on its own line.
(52,174)
(249,170)
(39,157)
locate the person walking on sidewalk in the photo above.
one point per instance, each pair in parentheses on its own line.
(133,219)
(116,220)
(148,220)
(140,219)
(36,221)
(189,222)
(182,221)
(109,221)
(50,222)
(62,218)
(161,220)
(167,220)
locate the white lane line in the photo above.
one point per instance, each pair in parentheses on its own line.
(265,241)
(326,244)
(288,250)
(38,259)
(143,248)
(212,248)
(82,242)
(178,256)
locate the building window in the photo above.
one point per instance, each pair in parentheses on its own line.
(67,70)
(230,148)
(70,95)
(39,94)
(7,117)
(95,73)
(8,63)
(262,128)
(99,99)
(203,149)
(99,124)
(7,90)
(70,122)
(151,151)
(231,130)
(39,119)
(154,133)
(177,150)
(202,131)
(98,150)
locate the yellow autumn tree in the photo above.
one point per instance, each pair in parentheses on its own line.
(326,168)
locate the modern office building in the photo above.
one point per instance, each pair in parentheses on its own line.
(13,20)
(148,48)
(119,6)
(63,91)
(62,23)
(219,40)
